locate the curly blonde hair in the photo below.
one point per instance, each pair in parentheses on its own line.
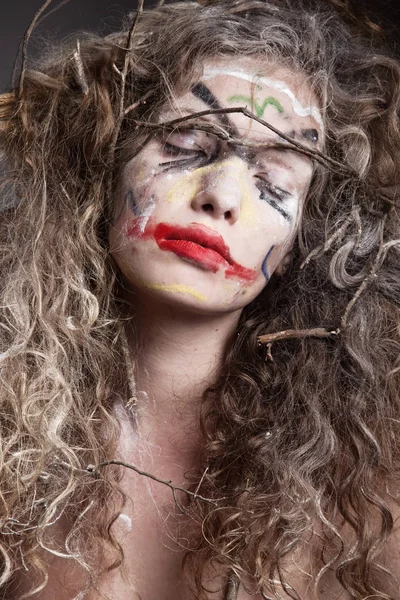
(302,447)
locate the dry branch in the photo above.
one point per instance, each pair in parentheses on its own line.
(316,155)
(136,105)
(53,10)
(121,110)
(25,42)
(380,257)
(338,234)
(175,488)
(317,332)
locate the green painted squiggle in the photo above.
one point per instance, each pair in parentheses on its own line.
(259,108)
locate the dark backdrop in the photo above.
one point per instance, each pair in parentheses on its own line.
(106,15)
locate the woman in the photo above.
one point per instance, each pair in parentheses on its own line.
(200,291)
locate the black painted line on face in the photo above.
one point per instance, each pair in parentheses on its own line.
(276,206)
(202,92)
(130,202)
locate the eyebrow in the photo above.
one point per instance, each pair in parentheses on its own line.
(203,93)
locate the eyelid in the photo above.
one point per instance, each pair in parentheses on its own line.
(272,188)
(190,138)
(174,149)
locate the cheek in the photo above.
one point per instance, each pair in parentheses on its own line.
(133,195)
(185,189)
(136,227)
(265,267)
(273,241)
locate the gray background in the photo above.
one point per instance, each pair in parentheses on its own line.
(90,15)
(105,16)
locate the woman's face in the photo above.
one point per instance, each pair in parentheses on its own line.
(203,223)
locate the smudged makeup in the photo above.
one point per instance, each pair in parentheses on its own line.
(203,220)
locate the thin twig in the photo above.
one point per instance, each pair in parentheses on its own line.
(232,587)
(269,352)
(53,10)
(94,469)
(116,69)
(130,372)
(220,133)
(124,72)
(368,279)
(315,154)
(25,42)
(292,334)
(380,257)
(201,482)
(136,105)
(160,3)
(121,110)
(340,231)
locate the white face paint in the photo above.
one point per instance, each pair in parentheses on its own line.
(203,223)
(146,214)
(281,86)
(127,521)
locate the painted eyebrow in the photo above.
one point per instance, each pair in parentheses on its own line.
(202,92)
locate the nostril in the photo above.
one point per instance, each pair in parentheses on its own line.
(208,208)
(227,214)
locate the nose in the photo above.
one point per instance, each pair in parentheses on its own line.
(221,191)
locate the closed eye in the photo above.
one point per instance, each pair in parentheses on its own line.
(173,150)
(274,196)
(182,157)
(187,148)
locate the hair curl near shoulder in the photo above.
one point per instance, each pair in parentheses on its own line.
(302,451)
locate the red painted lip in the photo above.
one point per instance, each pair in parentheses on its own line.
(200,245)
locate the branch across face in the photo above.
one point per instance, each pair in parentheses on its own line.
(206,223)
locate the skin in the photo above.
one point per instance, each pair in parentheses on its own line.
(185,314)
(252,199)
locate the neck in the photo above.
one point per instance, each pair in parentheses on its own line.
(178,354)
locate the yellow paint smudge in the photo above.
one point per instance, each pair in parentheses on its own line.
(248,213)
(187,187)
(179,289)
(192,184)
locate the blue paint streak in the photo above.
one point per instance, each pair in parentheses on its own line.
(264,267)
(130,202)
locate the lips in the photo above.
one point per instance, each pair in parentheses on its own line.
(202,246)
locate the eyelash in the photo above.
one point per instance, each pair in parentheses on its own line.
(177,150)
(196,155)
(274,196)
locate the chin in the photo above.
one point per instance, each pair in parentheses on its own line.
(185,295)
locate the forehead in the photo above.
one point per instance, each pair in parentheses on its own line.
(278,95)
